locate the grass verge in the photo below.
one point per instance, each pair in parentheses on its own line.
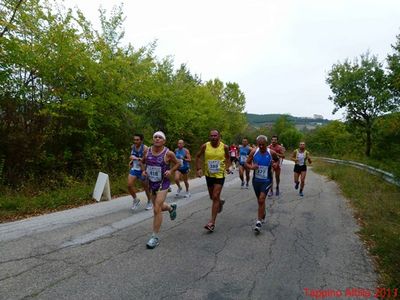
(15,205)
(377,207)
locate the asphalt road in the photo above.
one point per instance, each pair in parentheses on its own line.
(98,251)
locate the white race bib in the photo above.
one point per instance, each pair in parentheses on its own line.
(243,158)
(213,166)
(154,173)
(136,165)
(180,162)
(261,172)
(300,158)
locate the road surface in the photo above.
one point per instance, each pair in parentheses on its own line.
(98,251)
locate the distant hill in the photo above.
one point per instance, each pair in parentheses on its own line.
(269,119)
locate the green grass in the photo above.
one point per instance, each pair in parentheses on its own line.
(377,207)
(28,202)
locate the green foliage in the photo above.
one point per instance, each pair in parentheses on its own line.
(361,88)
(332,139)
(71,97)
(394,70)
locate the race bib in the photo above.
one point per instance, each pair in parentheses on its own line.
(180,162)
(243,158)
(154,173)
(136,165)
(213,166)
(261,172)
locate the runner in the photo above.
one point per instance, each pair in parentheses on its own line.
(183,156)
(276,166)
(216,163)
(300,157)
(138,150)
(156,167)
(244,151)
(233,153)
(260,160)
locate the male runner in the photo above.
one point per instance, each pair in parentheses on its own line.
(244,151)
(138,150)
(183,156)
(216,163)
(260,160)
(276,166)
(233,153)
(156,167)
(300,157)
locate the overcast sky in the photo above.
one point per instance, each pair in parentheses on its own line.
(279,52)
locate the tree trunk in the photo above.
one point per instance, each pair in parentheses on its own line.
(368,141)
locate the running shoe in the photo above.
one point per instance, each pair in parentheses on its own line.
(178,192)
(247,186)
(153,242)
(187,195)
(210,226)
(301,193)
(221,205)
(149,206)
(277,191)
(242,185)
(172,213)
(297,185)
(270,193)
(257,227)
(135,203)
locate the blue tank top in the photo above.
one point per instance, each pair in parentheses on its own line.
(180,155)
(263,160)
(137,153)
(243,154)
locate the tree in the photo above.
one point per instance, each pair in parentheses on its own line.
(394,69)
(361,88)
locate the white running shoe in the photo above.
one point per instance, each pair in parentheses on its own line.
(257,228)
(149,206)
(187,195)
(135,203)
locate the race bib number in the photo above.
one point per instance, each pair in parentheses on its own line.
(154,173)
(213,166)
(243,158)
(261,172)
(180,162)
(136,165)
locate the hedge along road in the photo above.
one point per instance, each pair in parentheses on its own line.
(308,246)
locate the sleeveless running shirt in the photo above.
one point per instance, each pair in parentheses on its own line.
(214,160)
(263,160)
(137,153)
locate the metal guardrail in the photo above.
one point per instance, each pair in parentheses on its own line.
(389,177)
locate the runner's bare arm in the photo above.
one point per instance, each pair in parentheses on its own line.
(142,164)
(188,156)
(249,161)
(227,159)
(309,159)
(294,158)
(275,156)
(172,159)
(198,160)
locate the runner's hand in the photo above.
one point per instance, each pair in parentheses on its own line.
(167,173)
(254,166)
(199,173)
(144,173)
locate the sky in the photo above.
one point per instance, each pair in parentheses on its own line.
(279,52)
